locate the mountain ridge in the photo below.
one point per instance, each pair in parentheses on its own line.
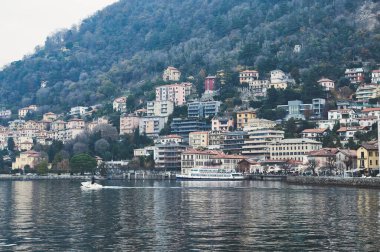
(132,41)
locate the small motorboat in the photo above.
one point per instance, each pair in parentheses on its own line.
(88,185)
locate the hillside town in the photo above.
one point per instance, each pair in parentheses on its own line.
(204,134)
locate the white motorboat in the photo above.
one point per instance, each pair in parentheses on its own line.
(211,173)
(89,185)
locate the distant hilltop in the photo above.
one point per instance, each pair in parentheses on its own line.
(131,42)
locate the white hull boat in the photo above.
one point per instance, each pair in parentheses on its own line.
(89,186)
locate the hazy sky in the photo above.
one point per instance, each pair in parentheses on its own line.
(24,24)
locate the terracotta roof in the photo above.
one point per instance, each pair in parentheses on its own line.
(172,136)
(205,152)
(199,132)
(325,79)
(348,152)
(222,155)
(370,145)
(370,110)
(251,161)
(344,129)
(376,71)
(319,130)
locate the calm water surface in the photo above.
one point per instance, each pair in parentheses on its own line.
(182,216)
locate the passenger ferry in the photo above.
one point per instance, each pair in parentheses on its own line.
(210,174)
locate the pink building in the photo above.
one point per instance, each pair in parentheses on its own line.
(210,83)
(176,93)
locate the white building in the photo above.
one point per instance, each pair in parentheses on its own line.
(293,149)
(152,125)
(327,84)
(120,104)
(248,76)
(257,145)
(78,111)
(375,76)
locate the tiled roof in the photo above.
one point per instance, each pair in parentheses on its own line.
(319,130)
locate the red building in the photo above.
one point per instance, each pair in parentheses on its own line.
(210,83)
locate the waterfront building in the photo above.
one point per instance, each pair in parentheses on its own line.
(30,158)
(192,158)
(120,104)
(293,149)
(198,139)
(169,156)
(183,126)
(368,157)
(257,144)
(159,108)
(219,123)
(151,125)
(215,139)
(325,159)
(203,109)
(171,74)
(346,160)
(242,118)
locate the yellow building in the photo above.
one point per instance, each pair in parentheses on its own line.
(31,158)
(368,156)
(198,139)
(243,117)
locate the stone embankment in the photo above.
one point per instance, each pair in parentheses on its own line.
(335,181)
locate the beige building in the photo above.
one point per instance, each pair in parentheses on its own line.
(31,158)
(256,123)
(128,124)
(259,141)
(222,123)
(24,111)
(198,139)
(242,118)
(76,124)
(159,108)
(58,125)
(171,74)
(176,93)
(152,125)
(50,116)
(293,149)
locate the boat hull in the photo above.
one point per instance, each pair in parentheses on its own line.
(181,177)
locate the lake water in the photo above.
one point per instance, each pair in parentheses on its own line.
(182,216)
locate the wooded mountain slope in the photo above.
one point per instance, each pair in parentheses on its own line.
(134,40)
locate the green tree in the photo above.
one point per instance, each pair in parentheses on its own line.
(42,168)
(11,144)
(82,163)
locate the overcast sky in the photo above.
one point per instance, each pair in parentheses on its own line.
(24,24)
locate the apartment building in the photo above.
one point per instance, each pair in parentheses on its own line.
(198,139)
(171,74)
(293,149)
(159,108)
(128,124)
(257,144)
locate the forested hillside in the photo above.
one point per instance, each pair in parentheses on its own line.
(134,40)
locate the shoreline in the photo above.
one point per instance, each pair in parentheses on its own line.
(356,182)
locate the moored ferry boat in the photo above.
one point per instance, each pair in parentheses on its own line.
(211,173)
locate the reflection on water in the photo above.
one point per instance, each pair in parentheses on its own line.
(189,215)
